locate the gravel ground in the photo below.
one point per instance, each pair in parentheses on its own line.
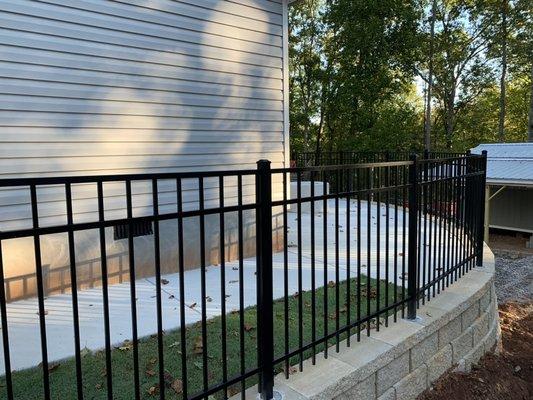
(514,277)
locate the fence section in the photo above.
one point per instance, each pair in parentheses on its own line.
(311,159)
(361,245)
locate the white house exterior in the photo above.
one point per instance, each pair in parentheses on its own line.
(92,87)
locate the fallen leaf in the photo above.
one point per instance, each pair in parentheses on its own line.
(198,365)
(248,327)
(208,299)
(233,281)
(85,352)
(292,370)
(153,390)
(52,367)
(193,305)
(177,386)
(150,372)
(164,282)
(198,346)
(126,345)
(232,391)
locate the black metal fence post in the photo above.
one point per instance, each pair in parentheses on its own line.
(481,228)
(412,270)
(264,273)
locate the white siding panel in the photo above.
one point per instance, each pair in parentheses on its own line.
(92,87)
(104,107)
(126,163)
(111,81)
(164,12)
(268,78)
(21,88)
(64,21)
(193,55)
(38,150)
(253,54)
(230,13)
(133,135)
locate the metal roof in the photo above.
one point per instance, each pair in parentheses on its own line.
(508,163)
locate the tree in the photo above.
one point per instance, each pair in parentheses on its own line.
(462,70)
(522,50)
(371,59)
(350,61)
(503,75)
(306,51)
(427,125)
(353,66)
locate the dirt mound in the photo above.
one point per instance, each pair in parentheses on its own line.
(507,376)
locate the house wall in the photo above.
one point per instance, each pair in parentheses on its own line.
(92,87)
(512,209)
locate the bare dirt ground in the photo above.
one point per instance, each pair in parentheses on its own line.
(509,375)
(510,243)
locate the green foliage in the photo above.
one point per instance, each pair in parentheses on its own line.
(352,62)
(480,120)
(358,68)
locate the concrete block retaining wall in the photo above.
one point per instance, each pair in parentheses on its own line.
(456,328)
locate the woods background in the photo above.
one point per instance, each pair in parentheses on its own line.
(407,74)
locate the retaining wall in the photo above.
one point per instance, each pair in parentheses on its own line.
(455,329)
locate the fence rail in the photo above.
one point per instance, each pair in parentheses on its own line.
(339,250)
(310,158)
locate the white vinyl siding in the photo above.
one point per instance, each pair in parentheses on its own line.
(135,86)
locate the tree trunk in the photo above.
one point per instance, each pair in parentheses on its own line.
(449,119)
(320,125)
(530,125)
(427,126)
(503,77)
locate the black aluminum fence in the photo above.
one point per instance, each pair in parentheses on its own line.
(310,158)
(360,246)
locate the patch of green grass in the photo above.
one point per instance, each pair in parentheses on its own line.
(28,383)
